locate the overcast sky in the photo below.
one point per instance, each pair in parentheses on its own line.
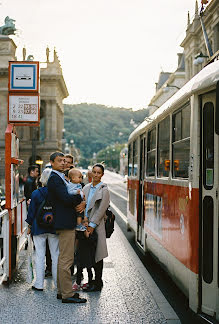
(111,51)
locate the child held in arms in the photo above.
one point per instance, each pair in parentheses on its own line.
(74,187)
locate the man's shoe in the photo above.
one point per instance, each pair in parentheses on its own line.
(75,299)
(37,289)
(59,296)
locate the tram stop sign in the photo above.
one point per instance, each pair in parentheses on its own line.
(23,93)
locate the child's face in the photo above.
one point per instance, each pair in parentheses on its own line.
(76,177)
(85,222)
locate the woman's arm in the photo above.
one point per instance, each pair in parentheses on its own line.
(104,204)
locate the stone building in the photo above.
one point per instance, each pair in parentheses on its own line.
(194,42)
(194,47)
(36,143)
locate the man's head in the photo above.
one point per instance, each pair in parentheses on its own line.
(75,176)
(57,161)
(69,160)
(33,171)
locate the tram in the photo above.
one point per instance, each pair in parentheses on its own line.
(173,177)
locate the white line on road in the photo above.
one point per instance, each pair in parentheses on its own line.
(116,193)
(118,211)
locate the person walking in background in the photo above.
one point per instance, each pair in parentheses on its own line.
(31,182)
(40,234)
(64,222)
(97,199)
(85,255)
(69,162)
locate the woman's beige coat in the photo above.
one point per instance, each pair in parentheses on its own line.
(96,213)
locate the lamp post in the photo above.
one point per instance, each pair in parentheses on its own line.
(72,146)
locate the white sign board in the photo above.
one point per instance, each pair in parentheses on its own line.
(23,77)
(23,108)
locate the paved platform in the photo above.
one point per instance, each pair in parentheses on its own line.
(129,295)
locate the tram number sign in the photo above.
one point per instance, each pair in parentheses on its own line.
(23,108)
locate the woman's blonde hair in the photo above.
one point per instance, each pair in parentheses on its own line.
(45,176)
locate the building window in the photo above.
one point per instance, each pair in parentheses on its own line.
(181,143)
(163,149)
(151,153)
(42,120)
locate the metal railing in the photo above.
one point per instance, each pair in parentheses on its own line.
(4,246)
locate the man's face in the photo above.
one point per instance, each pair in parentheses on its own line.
(58,164)
(35,173)
(68,162)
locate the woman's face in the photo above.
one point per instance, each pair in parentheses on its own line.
(97,174)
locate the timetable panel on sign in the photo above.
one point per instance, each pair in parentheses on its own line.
(23,108)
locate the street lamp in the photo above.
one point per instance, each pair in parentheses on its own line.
(63,140)
(199,58)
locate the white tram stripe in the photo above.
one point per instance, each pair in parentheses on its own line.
(116,193)
(118,211)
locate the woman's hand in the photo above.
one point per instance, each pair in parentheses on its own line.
(81,207)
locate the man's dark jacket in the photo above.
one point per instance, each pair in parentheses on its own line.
(62,202)
(29,186)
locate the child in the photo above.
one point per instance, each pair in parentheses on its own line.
(74,187)
(85,255)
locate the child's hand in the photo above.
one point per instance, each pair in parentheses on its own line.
(78,191)
(87,234)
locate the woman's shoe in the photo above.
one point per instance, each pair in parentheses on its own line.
(37,289)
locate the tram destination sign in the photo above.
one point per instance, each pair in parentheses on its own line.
(23,76)
(23,109)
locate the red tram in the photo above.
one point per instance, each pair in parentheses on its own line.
(173,188)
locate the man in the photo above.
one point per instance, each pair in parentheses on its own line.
(69,162)
(30,184)
(65,222)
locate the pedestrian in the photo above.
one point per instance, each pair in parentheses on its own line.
(69,162)
(97,201)
(74,187)
(64,222)
(31,182)
(41,235)
(85,255)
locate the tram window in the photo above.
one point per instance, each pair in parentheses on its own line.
(151,152)
(181,143)
(163,148)
(208,145)
(130,160)
(135,158)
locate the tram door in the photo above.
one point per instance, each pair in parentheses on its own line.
(210,210)
(140,225)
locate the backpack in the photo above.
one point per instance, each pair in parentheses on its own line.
(109,222)
(44,216)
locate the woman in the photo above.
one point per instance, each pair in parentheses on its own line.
(97,201)
(40,235)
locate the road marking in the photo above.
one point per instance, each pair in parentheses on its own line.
(116,193)
(118,211)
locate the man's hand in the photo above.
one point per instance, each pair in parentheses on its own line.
(28,230)
(90,229)
(87,234)
(81,207)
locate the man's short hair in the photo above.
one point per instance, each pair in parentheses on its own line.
(31,168)
(54,155)
(70,157)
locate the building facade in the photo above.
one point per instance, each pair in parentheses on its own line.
(36,143)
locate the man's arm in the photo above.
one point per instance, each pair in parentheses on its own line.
(58,189)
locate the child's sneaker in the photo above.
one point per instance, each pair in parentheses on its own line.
(76,287)
(80,228)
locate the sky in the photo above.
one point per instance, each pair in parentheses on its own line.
(111,51)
